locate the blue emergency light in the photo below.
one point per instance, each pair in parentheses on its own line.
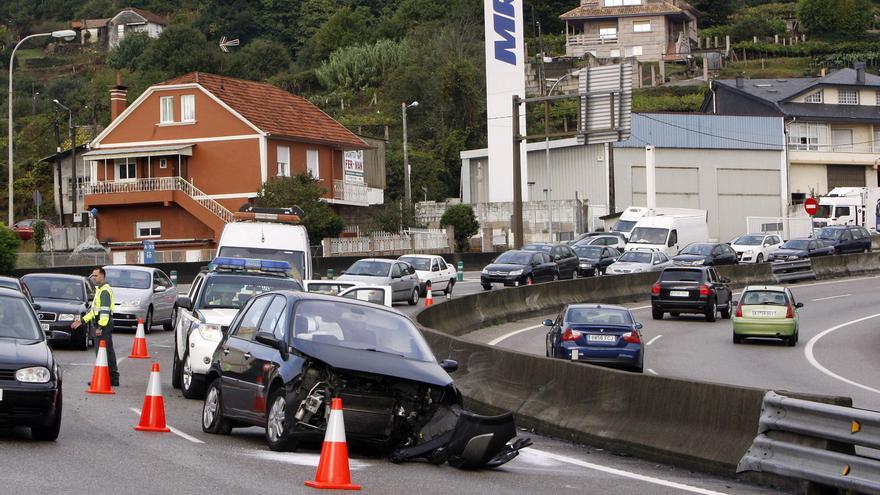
(250,264)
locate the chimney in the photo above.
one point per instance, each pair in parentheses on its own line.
(860,72)
(740,81)
(118,94)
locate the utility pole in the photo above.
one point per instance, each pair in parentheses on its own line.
(517,177)
(74,186)
(58,168)
(543,80)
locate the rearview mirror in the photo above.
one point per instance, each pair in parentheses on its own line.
(184,302)
(548,323)
(396,276)
(449,365)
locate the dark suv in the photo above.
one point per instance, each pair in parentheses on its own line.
(846,238)
(694,290)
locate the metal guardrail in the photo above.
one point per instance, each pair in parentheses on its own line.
(844,426)
(789,271)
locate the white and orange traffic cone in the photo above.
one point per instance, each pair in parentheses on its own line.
(429,297)
(153,412)
(100,383)
(139,348)
(333,471)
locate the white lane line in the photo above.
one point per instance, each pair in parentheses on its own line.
(173,429)
(831,297)
(833,282)
(302,459)
(649,370)
(808,352)
(653,340)
(622,473)
(511,334)
(638,308)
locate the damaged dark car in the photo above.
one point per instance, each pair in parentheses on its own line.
(287,354)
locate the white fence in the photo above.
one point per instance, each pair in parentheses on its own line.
(787,227)
(66,238)
(346,191)
(415,240)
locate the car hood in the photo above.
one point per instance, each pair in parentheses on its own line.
(588,260)
(375,362)
(689,257)
(742,248)
(59,306)
(504,267)
(22,353)
(121,294)
(789,252)
(218,316)
(365,279)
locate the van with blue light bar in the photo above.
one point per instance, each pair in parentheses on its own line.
(250,265)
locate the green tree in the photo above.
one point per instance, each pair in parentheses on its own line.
(462,219)
(715,12)
(39,235)
(178,50)
(9,243)
(129,51)
(310,16)
(259,60)
(359,67)
(304,191)
(345,27)
(835,16)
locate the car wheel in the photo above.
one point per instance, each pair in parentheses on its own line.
(50,433)
(175,367)
(170,325)
(574,274)
(487,286)
(637,369)
(725,313)
(414,298)
(190,385)
(556,276)
(760,258)
(791,341)
(276,419)
(84,342)
(712,311)
(148,321)
(656,313)
(212,412)
(449,287)
(737,339)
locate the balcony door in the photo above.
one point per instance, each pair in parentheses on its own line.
(125,170)
(842,139)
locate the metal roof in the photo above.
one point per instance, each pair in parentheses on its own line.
(705,131)
(138,152)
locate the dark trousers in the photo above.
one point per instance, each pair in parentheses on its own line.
(107,336)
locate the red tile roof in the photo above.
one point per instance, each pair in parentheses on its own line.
(274,110)
(659,8)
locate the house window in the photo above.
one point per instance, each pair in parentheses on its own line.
(148,230)
(642,26)
(633,51)
(615,53)
(848,97)
(808,137)
(312,163)
(878,98)
(814,98)
(163,163)
(620,3)
(188,108)
(284,161)
(608,33)
(876,140)
(120,32)
(126,170)
(166,105)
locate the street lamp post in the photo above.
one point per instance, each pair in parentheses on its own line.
(72,132)
(67,35)
(406,171)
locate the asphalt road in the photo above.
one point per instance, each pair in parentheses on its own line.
(836,355)
(98,451)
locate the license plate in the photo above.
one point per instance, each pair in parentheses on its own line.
(679,293)
(601,338)
(763,313)
(574,354)
(44,326)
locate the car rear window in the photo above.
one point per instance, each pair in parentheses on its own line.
(764,298)
(680,275)
(599,316)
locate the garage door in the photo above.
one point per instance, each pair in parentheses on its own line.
(846,176)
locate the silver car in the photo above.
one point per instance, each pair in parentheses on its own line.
(141,292)
(639,261)
(399,275)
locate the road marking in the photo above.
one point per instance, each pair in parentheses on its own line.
(831,297)
(622,473)
(649,370)
(638,308)
(808,352)
(173,429)
(653,340)
(841,281)
(511,334)
(301,459)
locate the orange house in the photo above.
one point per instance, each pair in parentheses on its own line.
(174,165)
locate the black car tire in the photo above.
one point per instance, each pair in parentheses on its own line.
(637,369)
(216,424)
(790,341)
(737,339)
(487,286)
(760,258)
(449,287)
(170,325)
(283,442)
(50,433)
(148,321)
(83,344)
(574,274)
(711,311)
(175,367)
(656,313)
(196,389)
(414,298)
(725,313)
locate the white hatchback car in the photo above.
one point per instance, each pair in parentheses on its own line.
(755,248)
(434,269)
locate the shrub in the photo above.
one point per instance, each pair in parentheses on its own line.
(9,243)
(462,219)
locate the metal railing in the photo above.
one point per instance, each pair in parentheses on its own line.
(346,191)
(591,39)
(50,260)
(416,240)
(836,148)
(156,184)
(807,424)
(789,271)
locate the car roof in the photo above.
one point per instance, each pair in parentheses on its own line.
(595,306)
(64,276)
(247,274)
(313,296)
(9,278)
(10,292)
(134,268)
(428,256)
(382,260)
(774,288)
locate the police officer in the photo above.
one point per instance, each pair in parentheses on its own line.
(102,309)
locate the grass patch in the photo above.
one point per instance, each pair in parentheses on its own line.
(29,53)
(772,68)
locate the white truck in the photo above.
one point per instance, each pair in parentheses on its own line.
(849,206)
(669,232)
(633,214)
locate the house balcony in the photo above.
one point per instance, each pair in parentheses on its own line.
(840,154)
(352,194)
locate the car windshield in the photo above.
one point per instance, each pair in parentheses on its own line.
(43,287)
(417,262)
(129,279)
(368,268)
(796,244)
(635,257)
(764,298)
(354,326)
(698,249)
(624,225)
(538,247)
(588,251)
(514,258)
(750,240)
(296,259)
(599,316)
(232,291)
(829,233)
(823,211)
(681,276)
(17,320)
(649,235)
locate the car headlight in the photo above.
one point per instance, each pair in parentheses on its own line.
(210,332)
(132,302)
(66,317)
(586,265)
(485,271)
(697,263)
(37,374)
(515,273)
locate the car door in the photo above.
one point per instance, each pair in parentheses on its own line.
(572,260)
(370,293)
(846,242)
(410,277)
(445,272)
(235,357)
(263,360)
(729,254)
(721,289)
(397,283)
(169,296)
(607,257)
(185,316)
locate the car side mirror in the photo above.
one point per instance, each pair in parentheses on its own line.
(266,338)
(548,323)
(396,276)
(639,326)
(449,365)
(557,258)
(184,302)
(725,280)
(799,305)
(159,288)
(36,306)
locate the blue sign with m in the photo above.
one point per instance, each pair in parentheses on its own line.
(505,26)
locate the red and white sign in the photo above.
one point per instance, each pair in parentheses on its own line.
(811,206)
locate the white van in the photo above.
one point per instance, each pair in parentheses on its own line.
(633,214)
(668,233)
(276,235)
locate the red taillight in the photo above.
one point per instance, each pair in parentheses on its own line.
(569,334)
(632,338)
(739,311)
(705,290)
(790,312)
(655,289)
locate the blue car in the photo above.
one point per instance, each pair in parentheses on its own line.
(597,334)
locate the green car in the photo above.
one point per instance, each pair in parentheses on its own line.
(766,312)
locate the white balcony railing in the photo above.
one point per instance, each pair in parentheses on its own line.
(346,191)
(591,39)
(836,148)
(157,184)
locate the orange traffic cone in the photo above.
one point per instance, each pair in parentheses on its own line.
(333,472)
(429,298)
(139,349)
(153,412)
(100,383)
